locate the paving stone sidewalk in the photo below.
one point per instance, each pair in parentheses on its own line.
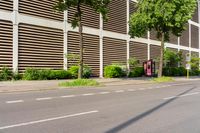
(22,86)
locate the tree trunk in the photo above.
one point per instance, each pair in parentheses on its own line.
(161,55)
(80,73)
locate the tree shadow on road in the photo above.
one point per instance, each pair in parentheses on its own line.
(144,114)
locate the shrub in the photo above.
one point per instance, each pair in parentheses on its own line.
(44,74)
(31,74)
(59,74)
(5,74)
(182,71)
(174,71)
(137,72)
(74,71)
(113,71)
(194,72)
(86,71)
(171,58)
(133,62)
(17,76)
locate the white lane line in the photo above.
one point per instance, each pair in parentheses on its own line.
(67,96)
(46,120)
(189,94)
(163,86)
(157,87)
(16,101)
(131,90)
(88,94)
(105,92)
(141,89)
(119,91)
(43,98)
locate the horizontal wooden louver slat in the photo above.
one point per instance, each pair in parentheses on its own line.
(40,8)
(155,54)
(90,18)
(6,5)
(195,16)
(172,49)
(173,39)
(195,54)
(91,50)
(184,39)
(6,44)
(184,52)
(139,51)
(114,51)
(132,7)
(40,51)
(194,37)
(117,17)
(154,51)
(153,35)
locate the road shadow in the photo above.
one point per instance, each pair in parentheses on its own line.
(144,114)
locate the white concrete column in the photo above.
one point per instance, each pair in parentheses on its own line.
(178,43)
(199,28)
(148,48)
(65,32)
(179,49)
(101,47)
(128,37)
(15,14)
(190,33)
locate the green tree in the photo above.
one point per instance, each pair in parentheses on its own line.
(163,16)
(171,58)
(99,6)
(194,63)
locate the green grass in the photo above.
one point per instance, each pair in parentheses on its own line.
(79,83)
(163,79)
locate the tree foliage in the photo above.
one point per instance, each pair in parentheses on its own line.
(172,58)
(99,6)
(163,16)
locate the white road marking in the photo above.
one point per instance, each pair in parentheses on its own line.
(105,92)
(16,101)
(131,90)
(118,91)
(46,120)
(141,89)
(189,94)
(67,96)
(88,94)
(163,86)
(43,98)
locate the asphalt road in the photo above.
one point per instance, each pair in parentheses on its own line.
(155,108)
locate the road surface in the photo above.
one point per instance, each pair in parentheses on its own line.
(147,108)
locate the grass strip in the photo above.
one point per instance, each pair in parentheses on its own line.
(79,83)
(163,79)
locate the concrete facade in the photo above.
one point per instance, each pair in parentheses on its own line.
(35,36)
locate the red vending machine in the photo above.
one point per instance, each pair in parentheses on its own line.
(149,68)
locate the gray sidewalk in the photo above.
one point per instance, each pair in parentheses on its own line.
(22,86)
